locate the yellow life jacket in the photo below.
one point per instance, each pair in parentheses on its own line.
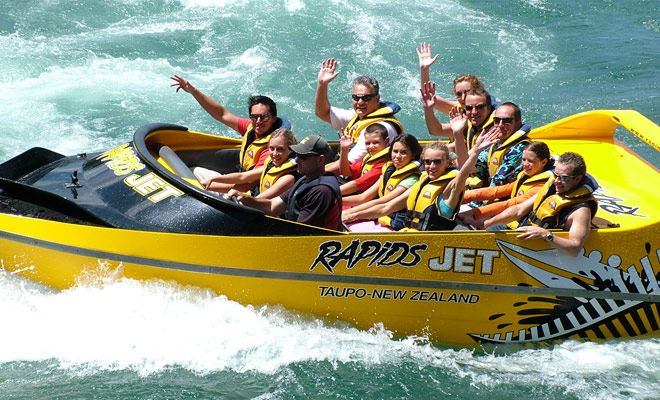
(496,155)
(368,162)
(551,209)
(271,173)
(524,183)
(391,178)
(422,213)
(471,133)
(384,113)
(252,147)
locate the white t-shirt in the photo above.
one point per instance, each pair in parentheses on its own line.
(339,119)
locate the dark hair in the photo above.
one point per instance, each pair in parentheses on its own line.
(267,101)
(542,152)
(378,128)
(579,167)
(410,142)
(516,110)
(481,92)
(367,81)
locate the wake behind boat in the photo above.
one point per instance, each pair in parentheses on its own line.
(139,210)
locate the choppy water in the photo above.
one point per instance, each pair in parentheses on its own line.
(84,75)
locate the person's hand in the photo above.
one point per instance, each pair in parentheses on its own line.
(428,94)
(206,183)
(328,71)
(457,120)
(234,195)
(486,139)
(345,139)
(465,216)
(424,54)
(531,232)
(181,83)
(347,217)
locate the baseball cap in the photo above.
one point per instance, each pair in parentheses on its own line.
(313,144)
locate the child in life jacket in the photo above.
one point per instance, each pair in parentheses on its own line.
(398,176)
(275,177)
(363,174)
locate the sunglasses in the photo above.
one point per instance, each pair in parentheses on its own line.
(436,161)
(255,117)
(564,178)
(363,97)
(477,106)
(506,120)
(460,94)
(306,156)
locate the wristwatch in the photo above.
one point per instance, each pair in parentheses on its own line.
(549,237)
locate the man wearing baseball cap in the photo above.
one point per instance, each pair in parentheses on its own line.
(314,199)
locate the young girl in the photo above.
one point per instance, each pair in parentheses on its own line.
(366,172)
(398,175)
(276,176)
(536,165)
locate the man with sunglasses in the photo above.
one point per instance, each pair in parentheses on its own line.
(565,202)
(315,199)
(478,116)
(367,110)
(255,130)
(501,163)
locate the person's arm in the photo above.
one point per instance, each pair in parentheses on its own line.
(434,126)
(425,62)
(214,183)
(458,124)
(365,181)
(215,109)
(345,143)
(452,192)
(499,206)
(512,213)
(489,193)
(327,73)
(363,197)
(379,200)
(579,225)
(274,207)
(280,186)
(393,201)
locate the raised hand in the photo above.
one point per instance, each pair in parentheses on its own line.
(457,120)
(328,71)
(345,140)
(486,139)
(428,94)
(424,54)
(181,83)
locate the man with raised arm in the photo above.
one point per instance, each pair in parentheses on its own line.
(256,130)
(565,202)
(367,109)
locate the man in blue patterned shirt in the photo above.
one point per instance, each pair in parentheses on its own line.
(501,163)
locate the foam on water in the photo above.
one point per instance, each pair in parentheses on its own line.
(114,324)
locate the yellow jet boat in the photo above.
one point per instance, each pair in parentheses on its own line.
(136,210)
